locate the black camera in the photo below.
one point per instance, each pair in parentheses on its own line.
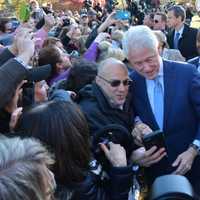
(111,133)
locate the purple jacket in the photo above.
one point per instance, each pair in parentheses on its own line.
(92,52)
(59,77)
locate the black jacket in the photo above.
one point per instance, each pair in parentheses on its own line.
(99,112)
(4,121)
(187,43)
(33,74)
(116,187)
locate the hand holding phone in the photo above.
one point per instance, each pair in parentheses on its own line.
(122,15)
(155,138)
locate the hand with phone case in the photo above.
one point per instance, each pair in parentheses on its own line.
(139,131)
(153,152)
(122,15)
(155,138)
(146,158)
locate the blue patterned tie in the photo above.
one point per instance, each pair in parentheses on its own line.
(176,39)
(158,102)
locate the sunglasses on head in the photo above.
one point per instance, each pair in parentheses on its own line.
(116,83)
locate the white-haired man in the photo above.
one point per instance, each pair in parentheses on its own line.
(166,96)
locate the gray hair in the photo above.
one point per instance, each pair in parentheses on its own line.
(139,37)
(104,65)
(22,169)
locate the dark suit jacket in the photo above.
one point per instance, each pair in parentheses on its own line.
(187,43)
(181,113)
(34,74)
(11,74)
(194,61)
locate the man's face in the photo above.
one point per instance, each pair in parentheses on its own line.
(172,21)
(84,20)
(116,94)
(145,62)
(158,23)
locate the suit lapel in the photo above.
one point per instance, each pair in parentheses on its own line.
(184,34)
(169,90)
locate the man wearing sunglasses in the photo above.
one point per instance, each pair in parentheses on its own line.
(166,96)
(105,101)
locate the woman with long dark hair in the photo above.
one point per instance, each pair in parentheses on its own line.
(63,128)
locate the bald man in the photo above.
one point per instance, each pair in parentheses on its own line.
(105,101)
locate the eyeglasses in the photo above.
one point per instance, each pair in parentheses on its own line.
(116,83)
(156,21)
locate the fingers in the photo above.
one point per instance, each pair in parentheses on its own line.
(116,154)
(138,141)
(156,158)
(139,131)
(14,117)
(183,166)
(105,149)
(153,156)
(147,158)
(21,84)
(182,169)
(146,130)
(176,162)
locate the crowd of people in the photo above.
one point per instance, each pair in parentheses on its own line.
(79,91)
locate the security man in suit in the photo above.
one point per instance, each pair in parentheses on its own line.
(182,36)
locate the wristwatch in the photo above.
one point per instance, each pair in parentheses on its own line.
(196,146)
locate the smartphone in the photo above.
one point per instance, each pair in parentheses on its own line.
(155,138)
(122,15)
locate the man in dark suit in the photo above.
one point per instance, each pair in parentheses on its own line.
(166,96)
(182,36)
(196,60)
